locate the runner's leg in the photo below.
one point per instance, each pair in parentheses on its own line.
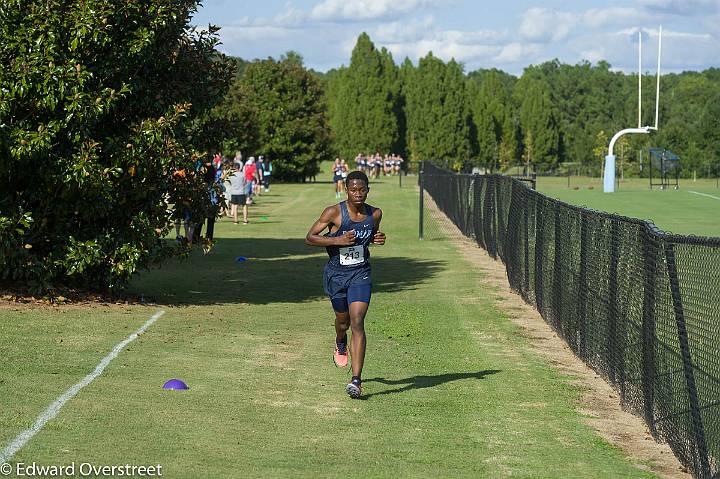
(357,310)
(342,324)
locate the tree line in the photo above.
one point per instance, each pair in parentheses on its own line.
(555,118)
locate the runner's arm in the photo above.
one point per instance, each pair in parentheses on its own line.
(327,218)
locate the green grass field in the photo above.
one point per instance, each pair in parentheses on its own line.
(693,209)
(452,388)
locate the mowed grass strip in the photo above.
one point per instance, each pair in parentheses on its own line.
(46,351)
(681,211)
(451,387)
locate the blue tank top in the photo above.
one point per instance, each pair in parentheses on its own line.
(357,255)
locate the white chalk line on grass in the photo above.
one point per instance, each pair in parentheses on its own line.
(704,194)
(55,407)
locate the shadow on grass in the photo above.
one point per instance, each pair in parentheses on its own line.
(274,271)
(422,382)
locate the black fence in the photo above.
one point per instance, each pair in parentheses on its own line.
(640,306)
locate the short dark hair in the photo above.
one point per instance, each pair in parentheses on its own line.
(357,175)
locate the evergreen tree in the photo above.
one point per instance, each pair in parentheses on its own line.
(509,147)
(437,111)
(529,150)
(709,134)
(392,78)
(484,126)
(333,89)
(407,148)
(493,98)
(365,116)
(537,118)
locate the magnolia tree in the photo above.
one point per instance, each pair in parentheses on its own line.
(103,118)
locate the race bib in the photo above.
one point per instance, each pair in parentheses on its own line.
(352,255)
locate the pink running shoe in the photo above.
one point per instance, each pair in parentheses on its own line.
(340,357)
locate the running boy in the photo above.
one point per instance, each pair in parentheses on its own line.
(352,225)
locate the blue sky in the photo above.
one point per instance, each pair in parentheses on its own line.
(481,34)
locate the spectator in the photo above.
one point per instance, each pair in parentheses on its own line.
(182,212)
(238,189)
(258,175)
(250,174)
(227,170)
(207,170)
(217,161)
(267,173)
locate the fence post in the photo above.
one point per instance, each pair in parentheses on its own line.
(526,244)
(539,247)
(650,240)
(687,361)
(481,198)
(500,225)
(512,237)
(477,210)
(619,325)
(557,315)
(611,338)
(583,289)
(488,215)
(422,198)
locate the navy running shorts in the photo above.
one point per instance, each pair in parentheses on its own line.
(347,285)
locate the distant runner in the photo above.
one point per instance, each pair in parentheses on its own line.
(338,180)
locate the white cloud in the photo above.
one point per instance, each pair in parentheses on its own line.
(253,33)
(326,34)
(516,52)
(603,17)
(485,37)
(406,31)
(680,50)
(683,7)
(357,10)
(291,16)
(414,38)
(594,55)
(544,25)
(425,29)
(443,50)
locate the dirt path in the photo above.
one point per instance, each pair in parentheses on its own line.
(600,403)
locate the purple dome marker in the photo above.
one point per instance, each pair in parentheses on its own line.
(175,384)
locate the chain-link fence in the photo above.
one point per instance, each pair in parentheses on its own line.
(640,306)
